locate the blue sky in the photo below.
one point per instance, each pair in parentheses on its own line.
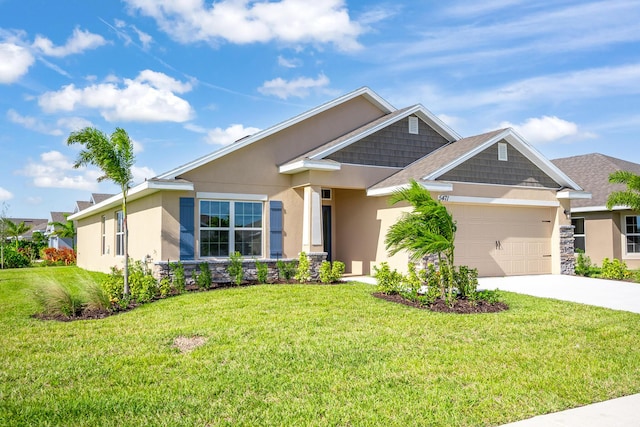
(184,78)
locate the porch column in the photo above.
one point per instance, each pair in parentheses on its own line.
(312,220)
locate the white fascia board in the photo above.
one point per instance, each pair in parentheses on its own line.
(436,187)
(370,95)
(418,110)
(498,201)
(232,196)
(305,165)
(140,190)
(598,209)
(573,195)
(517,142)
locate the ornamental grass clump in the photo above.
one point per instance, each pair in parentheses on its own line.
(58,300)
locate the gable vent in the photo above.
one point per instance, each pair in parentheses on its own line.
(413,125)
(502,152)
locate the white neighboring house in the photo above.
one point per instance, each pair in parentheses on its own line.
(54,240)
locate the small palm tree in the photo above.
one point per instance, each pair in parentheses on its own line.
(629,197)
(428,229)
(15,230)
(65,230)
(114,156)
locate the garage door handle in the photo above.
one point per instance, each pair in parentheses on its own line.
(546,256)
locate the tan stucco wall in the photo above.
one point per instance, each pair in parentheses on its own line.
(605,237)
(361,222)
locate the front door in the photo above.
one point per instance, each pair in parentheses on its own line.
(326,230)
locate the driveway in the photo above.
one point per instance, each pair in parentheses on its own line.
(602,293)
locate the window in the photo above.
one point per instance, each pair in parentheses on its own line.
(578,234)
(119,233)
(413,125)
(103,234)
(227,226)
(632,225)
(502,152)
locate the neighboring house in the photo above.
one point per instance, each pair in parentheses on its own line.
(319,182)
(54,240)
(37,225)
(600,232)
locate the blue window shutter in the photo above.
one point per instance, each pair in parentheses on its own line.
(275,229)
(187,228)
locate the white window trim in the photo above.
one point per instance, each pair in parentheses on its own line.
(414,125)
(119,234)
(103,235)
(502,152)
(627,254)
(232,228)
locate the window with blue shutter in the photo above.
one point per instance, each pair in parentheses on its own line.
(187,228)
(275,229)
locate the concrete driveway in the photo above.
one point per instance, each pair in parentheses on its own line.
(602,293)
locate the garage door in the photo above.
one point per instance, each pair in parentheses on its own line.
(503,241)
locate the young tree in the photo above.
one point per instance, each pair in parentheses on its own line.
(629,197)
(114,156)
(15,230)
(428,229)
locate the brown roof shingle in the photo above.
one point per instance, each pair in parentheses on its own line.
(591,172)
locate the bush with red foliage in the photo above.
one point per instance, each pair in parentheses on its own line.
(64,256)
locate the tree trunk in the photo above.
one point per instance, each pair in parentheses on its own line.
(126,243)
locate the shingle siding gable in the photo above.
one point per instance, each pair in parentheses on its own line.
(485,168)
(392,146)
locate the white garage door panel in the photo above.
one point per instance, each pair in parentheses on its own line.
(501,241)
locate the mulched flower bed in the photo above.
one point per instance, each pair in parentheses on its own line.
(460,306)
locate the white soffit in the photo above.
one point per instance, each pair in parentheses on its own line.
(305,165)
(436,187)
(573,195)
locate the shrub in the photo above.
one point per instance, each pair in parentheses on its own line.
(203,279)
(15,259)
(614,269)
(303,273)
(466,280)
(331,272)
(113,285)
(388,281)
(179,279)
(286,270)
(584,267)
(55,256)
(235,269)
(143,287)
(57,300)
(262,272)
(164,287)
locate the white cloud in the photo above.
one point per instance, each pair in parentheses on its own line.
(32,123)
(34,200)
(145,38)
(299,87)
(5,194)
(140,173)
(73,123)
(545,129)
(230,134)
(147,98)
(195,128)
(79,41)
(289,63)
(242,21)
(55,170)
(451,121)
(14,62)
(137,146)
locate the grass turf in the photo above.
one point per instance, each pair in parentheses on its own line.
(306,355)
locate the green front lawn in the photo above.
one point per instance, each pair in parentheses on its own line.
(306,355)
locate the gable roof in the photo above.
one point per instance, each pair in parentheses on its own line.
(36,224)
(99,197)
(592,172)
(321,152)
(429,168)
(59,216)
(365,92)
